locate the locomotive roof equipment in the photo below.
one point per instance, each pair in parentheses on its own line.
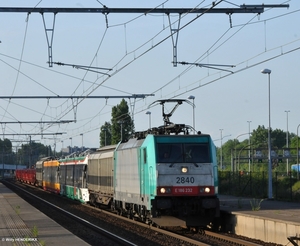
(169,127)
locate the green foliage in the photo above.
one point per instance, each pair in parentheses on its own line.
(278,138)
(295,141)
(105,134)
(121,125)
(259,137)
(30,153)
(35,231)
(235,153)
(296,187)
(255,204)
(255,184)
(17,209)
(7,155)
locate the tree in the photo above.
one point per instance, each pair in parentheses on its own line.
(259,138)
(30,153)
(259,142)
(278,138)
(105,134)
(295,143)
(231,151)
(122,124)
(6,151)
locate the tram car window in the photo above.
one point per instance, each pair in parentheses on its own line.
(62,179)
(69,177)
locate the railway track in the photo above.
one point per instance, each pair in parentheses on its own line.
(126,231)
(104,236)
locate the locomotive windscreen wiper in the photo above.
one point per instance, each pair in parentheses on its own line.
(176,160)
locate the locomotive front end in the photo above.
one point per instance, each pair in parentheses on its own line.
(187,181)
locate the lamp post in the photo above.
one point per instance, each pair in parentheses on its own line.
(235,140)
(193,98)
(270,193)
(81,134)
(249,152)
(149,113)
(287,139)
(121,122)
(221,155)
(298,152)
(71,146)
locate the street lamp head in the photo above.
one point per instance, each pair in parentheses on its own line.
(148,112)
(191,97)
(266,71)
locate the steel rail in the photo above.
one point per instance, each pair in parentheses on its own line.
(115,238)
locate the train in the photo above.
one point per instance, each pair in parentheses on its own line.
(163,176)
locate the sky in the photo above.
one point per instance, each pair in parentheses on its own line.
(230,99)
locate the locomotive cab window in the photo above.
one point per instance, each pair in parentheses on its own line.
(183,153)
(169,153)
(197,153)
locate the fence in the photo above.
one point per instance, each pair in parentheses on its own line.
(255,184)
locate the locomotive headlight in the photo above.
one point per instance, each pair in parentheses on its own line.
(184,169)
(204,190)
(165,190)
(207,190)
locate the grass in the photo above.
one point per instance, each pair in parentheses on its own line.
(17,209)
(35,231)
(255,204)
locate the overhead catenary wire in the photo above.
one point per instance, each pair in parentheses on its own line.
(143,53)
(103,83)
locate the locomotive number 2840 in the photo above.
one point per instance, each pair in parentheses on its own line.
(183,180)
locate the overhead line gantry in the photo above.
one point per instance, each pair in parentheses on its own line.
(243,9)
(37,122)
(134,96)
(32,134)
(75,97)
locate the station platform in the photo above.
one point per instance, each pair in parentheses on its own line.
(22,224)
(262,219)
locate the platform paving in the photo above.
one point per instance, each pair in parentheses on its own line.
(264,219)
(22,224)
